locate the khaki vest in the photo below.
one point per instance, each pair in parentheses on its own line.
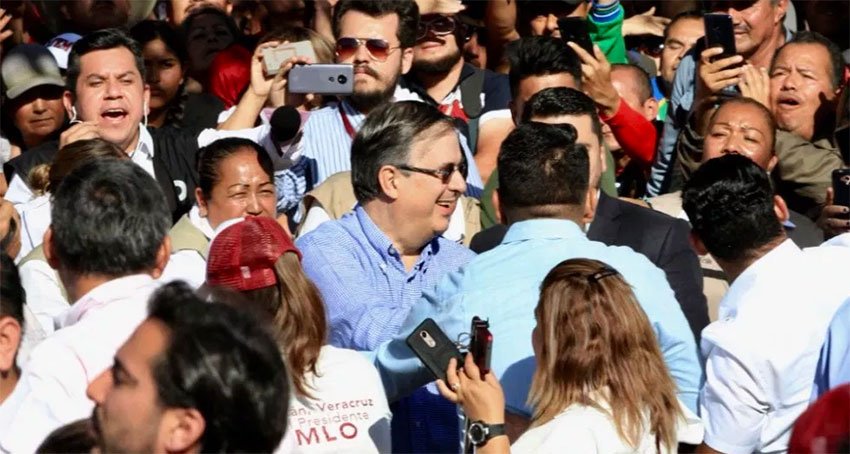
(186,237)
(336,196)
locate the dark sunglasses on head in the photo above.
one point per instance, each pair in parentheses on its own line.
(439,26)
(379,49)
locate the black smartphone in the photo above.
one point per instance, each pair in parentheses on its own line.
(433,348)
(481,344)
(719,32)
(575,29)
(841,189)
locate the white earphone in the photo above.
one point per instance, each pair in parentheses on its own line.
(74,115)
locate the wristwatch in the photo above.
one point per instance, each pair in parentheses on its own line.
(479,432)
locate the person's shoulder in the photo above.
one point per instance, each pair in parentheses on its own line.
(646,217)
(454,248)
(23,163)
(334,234)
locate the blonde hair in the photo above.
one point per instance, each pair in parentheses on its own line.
(297,313)
(596,341)
(45,178)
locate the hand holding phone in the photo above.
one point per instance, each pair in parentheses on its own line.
(575,29)
(321,79)
(273,57)
(433,348)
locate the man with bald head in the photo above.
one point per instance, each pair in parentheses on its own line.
(634,87)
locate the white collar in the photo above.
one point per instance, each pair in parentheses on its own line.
(145,144)
(201,223)
(102,295)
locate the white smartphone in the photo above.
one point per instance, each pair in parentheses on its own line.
(273,57)
(321,79)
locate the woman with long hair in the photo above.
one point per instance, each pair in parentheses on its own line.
(339,404)
(600,385)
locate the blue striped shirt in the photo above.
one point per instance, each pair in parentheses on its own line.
(327,150)
(368,293)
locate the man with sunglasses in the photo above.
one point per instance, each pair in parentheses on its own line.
(372,264)
(377,38)
(477,99)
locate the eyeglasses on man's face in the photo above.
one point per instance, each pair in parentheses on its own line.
(444,174)
(438,25)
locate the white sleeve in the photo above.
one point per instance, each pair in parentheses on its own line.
(44,292)
(733,402)
(186,265)
(50,394)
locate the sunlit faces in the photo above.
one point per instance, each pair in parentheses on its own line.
(428,202)
(127,416)
(110,91)
(243,188)
(754,21)
(437,51)
(529,86)
(738,128)
(164,73)
(38,113)
(207,36)
(374,80)
(681,37)
(586,137)
(801,87)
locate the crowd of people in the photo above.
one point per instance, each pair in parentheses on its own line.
(196,257)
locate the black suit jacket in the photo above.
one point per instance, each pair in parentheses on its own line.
(173,166)
(661,238)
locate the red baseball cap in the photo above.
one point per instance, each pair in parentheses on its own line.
(243,255)
(825,426)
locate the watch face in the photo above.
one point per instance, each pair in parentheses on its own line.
(476,433)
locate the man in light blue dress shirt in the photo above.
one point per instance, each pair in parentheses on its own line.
(373,264)
(547,192)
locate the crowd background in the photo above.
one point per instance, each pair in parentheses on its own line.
(197,259)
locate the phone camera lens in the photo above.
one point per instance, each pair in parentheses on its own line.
(342,79)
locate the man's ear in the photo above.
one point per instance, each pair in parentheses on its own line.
(48,249)
(650,108)
(590,201)
(772,163)
(10,339)
(697,244)
(781,209)
(68,102)
(163,254)
(406,60)
(497,207)
(184,428)
(781,9)
(388,181)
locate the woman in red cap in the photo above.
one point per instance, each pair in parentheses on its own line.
(339,404)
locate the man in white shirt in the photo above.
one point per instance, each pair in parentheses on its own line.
(108,242)
(762,352)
